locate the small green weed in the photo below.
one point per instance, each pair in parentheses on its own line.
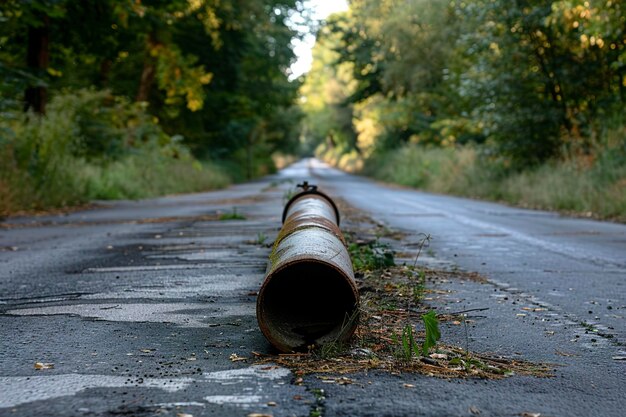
(409,347)
(318,408)
(371,256)
(419,287)
(261,238)
(408,344)
(287,195)
(387,305)
(232,215)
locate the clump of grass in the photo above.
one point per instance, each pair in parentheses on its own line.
(233,215)
(331,350)
(261,238)
(369,256)
(408,347)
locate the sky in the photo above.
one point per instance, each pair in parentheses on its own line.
(303,49)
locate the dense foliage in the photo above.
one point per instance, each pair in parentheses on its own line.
(529,80)
(210,76)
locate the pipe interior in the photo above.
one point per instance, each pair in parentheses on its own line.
(308,303)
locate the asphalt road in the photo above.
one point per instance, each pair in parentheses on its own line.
(145,308)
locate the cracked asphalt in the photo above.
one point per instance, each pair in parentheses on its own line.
(147,308)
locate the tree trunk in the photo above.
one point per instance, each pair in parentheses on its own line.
(146,81)
(149,72)
(37,58)
(105,70)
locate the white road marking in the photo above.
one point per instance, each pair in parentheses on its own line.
(148,312)
(254,372)
(241,400)
(22,390)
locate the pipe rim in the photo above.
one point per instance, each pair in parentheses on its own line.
(309,192)
(264,322)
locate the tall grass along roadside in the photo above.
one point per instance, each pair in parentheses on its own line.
(92,145)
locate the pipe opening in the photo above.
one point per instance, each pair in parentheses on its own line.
(307,303)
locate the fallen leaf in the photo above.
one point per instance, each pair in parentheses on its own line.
(409,386)
(183,415)
(474,410)
(339,381)
(271,404)
(438,356)
(521,315)
(147,350)
(456,323)
(42,365)
(236,358)
(531,414)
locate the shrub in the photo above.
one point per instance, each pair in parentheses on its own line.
(91,144)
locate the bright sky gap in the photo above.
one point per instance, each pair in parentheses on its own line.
(303,48)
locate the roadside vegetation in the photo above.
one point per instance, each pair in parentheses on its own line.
(590,186)
(122,99)
(517,102)
(62,159)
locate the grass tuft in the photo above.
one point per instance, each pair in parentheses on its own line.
(233,215)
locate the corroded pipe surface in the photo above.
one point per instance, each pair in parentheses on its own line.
(309,296)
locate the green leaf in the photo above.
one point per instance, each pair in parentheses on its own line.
(456,361)
(406,347)
(432,331)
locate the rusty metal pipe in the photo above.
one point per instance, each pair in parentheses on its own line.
(309,296)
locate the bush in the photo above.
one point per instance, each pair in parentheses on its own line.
(149,174)
(91,144)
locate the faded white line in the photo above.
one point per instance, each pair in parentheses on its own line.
(146,268)
(181,404)
(148,312)
(205,285)
(255,372)
(22,390)
(240,400)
